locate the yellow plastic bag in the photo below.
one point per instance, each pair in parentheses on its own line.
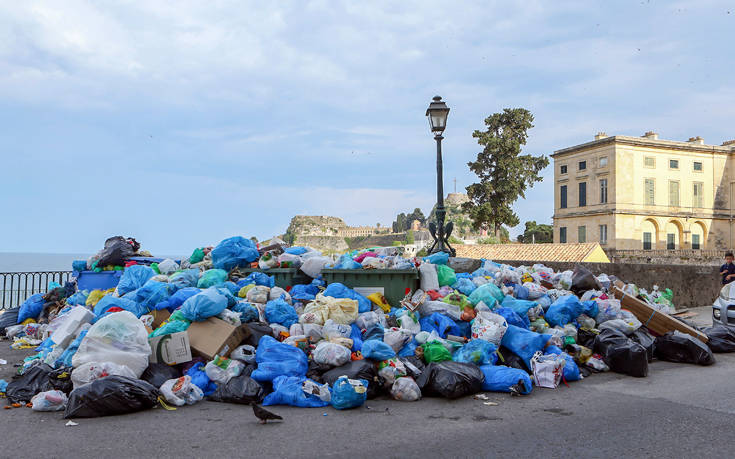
(323,308)
(379,300)
(96,295)
(244,291)
(28,321)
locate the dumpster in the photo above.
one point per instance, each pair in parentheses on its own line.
(392,283)
(284,277)
(93,280)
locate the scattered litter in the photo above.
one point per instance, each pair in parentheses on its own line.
(71,423)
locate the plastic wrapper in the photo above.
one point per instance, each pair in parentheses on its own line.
(506,379)
(220,370)
(405,389)
(92,371)
(489,327)
(348,393)
(52,400)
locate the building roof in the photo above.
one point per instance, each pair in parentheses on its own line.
(726,148)
(588,252)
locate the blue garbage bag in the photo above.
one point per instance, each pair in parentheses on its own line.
(200,379)
(277,359)
(212,278)
(500,379)
(481,272)
(127,304)
(477,351)
(232,287)
(521,307)
(377,350)
(590,308)
(133,278)
(203,305)
(374,332)
(356,337)
(337,290)
(520,292)
(487,293)
(346,262)
(513,318)
(464,328)
(248,312)
(233,252)
(439,258)
(409,349)
(78,298)
(288,390)
(65,358)
(177,299)
(346,396)
(564,310)
(296,250)
(544,302)
(464,285)
(463,276)
(231,300)
(524,343)
(79,265)
(571,370)
(440,323)
(183,279)
(31,308)
(280,312)
(304,292)
(150,294)
(257,278)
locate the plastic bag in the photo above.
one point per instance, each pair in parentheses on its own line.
(465,286)
(478,352)
(430,307)
(244,353)
(118,338)
(115,251)
(203,305)
(445,275)
(92,371)
(258,278)
(323,308)
(405,389)
(182,279)
(621,354)
(289,390)
(346,262)
(200,379)
(535,291)
(33,381)
(233,252)
(241,389)
(489,327)
(258,294)
(111,396)
(524,343)
(181,391)
(327,353)
(429,277)
(357,369)
(52,400)
(450,379)
(721,338)
(221,370)
(583,280)
(645,339)
(367,319)
(434,351)
(349,393)
(212,278)
(679,347)
(280,312)
(488,293)
(277,359)
(620,325)
(149,295)
(377,350)
(133,278)
(313,266)
(31,308)
(513,318)
(506,379)
(397,338)
(408,320)
(438,258)
(337,290)
(547,369)
(159,373)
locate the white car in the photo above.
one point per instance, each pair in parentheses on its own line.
(723,309)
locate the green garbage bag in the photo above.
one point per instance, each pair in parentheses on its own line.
(434,351)
(154,267)
(668,294)
(212,278)
(197,255)
(174,326)
(446,275)
(457,299)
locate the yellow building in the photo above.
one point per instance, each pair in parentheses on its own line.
(633,193)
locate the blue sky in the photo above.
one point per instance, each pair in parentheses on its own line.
(181,123)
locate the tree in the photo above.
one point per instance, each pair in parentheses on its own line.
(537,233)
(410,238)
(504,173)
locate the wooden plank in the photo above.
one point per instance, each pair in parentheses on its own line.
(654,320)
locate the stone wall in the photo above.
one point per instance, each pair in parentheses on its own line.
(665,257)
(693,285)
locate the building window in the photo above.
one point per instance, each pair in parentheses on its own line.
(603,161)
(670,241)
(673,164)
(582,234)
(695,242)
(603,191)
(563,169)
(563,197)
(582,194)
(649,161)
(673,193)
(697,166)
(647,241)
(603,234)
(650,192)
(563,234)
(582,165)
(698,195)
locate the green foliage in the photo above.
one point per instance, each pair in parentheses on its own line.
(455,240)
(410,238)
(403,221)
(289,238)
(489,240)
(396,243)
(539,234)
(504,173)
(422,253)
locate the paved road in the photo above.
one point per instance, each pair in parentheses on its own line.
(677,411)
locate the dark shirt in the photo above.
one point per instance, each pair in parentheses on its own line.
(728,268)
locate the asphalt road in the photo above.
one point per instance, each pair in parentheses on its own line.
(679,410)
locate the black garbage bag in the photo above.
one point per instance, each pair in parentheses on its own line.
(159,373)
(240,389)
(414,365)
(357,369)
(586,337)
(109,396)
(8,319)
(60,379)
(22,388)
(682,348)
(117,250)
(316,370)
(510,359)
(645,339)
(257,331)
(622,354)
(721,338)
(450,379)
(583,280)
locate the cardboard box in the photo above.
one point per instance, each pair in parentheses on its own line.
(214,337)
(159,317)
(170,349)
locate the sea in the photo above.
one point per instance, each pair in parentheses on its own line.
(25,262)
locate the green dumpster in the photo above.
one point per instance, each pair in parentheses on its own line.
(392,283)
(284,277)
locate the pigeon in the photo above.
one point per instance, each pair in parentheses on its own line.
(264,415)
(517,389)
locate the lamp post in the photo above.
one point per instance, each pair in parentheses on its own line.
(437,114)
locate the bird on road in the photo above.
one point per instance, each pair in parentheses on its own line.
(264,415)
(517,389)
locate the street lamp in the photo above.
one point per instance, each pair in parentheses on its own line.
(437,114)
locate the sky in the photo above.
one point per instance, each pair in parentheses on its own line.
(181,123)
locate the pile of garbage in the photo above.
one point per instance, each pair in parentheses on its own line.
(177,332)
